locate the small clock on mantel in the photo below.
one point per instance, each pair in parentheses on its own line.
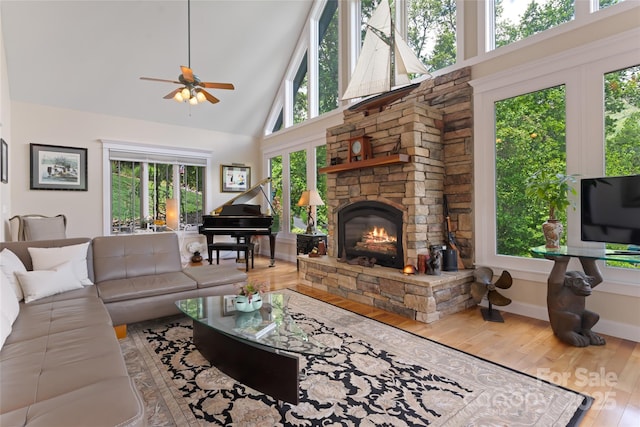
(359,149)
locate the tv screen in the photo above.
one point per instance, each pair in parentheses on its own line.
(610,209)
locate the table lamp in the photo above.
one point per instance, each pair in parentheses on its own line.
(310,198)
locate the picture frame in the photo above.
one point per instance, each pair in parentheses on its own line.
(56,167)
(234,178)
(4,161)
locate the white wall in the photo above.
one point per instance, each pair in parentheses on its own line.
(5,130)
(54,126)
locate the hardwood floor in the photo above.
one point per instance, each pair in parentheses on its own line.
(610,373)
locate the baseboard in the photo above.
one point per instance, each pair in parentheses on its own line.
(604,326)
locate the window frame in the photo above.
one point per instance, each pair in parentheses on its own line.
(199,156)
(582,71)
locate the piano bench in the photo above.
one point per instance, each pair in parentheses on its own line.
(247,248)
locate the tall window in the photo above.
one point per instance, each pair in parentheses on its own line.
(300,95)
(328,58)
(530,137)
(322,220)
(622,129)
(275,172)
(298,184)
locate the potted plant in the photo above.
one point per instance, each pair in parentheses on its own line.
(553,191)
(195,248)
(249,296)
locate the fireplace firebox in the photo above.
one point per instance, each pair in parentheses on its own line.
(371,229)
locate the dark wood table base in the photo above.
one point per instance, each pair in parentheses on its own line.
(264,369)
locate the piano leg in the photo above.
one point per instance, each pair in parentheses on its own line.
(209,247)
(272,248)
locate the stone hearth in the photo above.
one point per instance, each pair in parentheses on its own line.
(419,297)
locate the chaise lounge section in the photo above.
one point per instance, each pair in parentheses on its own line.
(61,364)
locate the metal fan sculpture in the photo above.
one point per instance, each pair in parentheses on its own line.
(483,286)
(191,91)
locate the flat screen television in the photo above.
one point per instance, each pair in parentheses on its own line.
(610,209)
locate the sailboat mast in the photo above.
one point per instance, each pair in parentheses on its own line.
(392,51)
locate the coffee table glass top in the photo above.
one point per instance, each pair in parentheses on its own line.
(217,312)
(596,253)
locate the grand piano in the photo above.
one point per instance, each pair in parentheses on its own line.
(241,220)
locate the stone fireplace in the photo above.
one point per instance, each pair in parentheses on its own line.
(421,145)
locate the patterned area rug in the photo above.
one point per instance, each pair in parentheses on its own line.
(380,375)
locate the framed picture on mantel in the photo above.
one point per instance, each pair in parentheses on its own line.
(235,179)
(55,167)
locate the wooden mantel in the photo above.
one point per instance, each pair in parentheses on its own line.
(367,163)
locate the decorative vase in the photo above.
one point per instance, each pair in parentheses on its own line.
(242,303)
(196,257)
(552,230)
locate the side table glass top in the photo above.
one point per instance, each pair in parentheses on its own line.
(217,312)
(594,253)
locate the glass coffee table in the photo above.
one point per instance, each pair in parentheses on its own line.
(268,363)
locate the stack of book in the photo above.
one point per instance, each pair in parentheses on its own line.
(257,331)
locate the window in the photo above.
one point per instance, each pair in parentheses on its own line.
(530,137)
(322,220)
(298,184)
(328,58)
(147,186)
(300,95)
(622,129)
(432,32)
(517,20)
(275,172)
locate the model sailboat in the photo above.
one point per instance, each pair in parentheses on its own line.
(385,60)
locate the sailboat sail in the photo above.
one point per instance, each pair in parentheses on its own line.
(372,73)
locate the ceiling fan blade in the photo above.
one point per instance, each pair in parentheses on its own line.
(496,298)
(212,99)
(505,281)
(187,74)
(172,93)
(211,85)
(159,80)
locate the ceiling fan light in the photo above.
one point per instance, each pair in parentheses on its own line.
(200,96)
(186,94)
(193,100)
(178,97)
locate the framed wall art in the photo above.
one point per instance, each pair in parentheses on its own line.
(4,161)
(235,179)
(58,168)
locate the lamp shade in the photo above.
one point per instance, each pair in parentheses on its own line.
(172,214)
(310,198)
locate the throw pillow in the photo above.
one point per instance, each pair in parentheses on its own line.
(9,264)
(5,329)
(44,228)
(38,284)
(9,306)
(48,258)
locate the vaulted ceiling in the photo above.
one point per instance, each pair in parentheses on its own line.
(90,55)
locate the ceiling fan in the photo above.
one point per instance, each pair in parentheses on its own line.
(191,91)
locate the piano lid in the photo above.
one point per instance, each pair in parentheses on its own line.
(246,196)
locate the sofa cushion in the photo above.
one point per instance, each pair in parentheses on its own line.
(48,258)
(215,275)
(10,263)
(122,257)
(9,309)
(43,283)
(144,286)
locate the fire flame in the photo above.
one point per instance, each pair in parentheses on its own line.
(379,235)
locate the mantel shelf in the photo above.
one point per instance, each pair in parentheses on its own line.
(368,163)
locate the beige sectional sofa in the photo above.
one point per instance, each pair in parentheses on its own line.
(61,364)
